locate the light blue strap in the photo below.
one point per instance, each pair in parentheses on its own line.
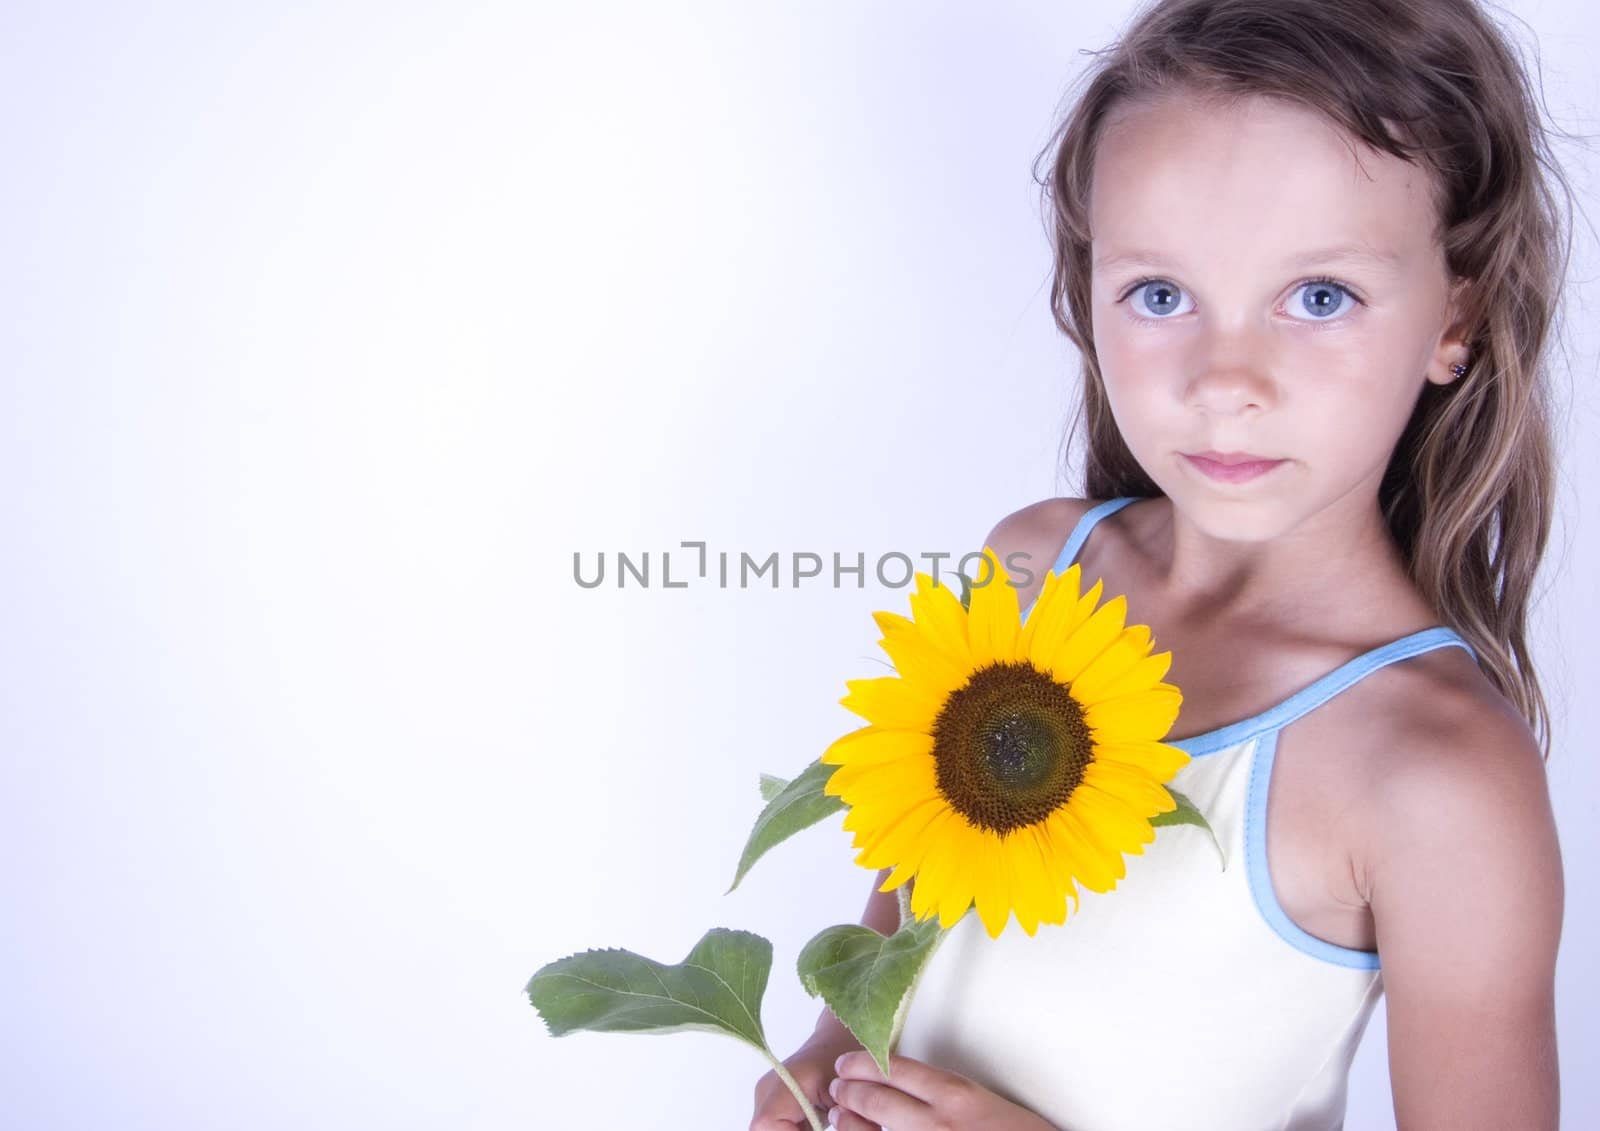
(1314,695)
(1080,532)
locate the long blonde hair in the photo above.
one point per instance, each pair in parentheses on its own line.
(1468,491)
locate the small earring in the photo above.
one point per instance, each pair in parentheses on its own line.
(1459,370)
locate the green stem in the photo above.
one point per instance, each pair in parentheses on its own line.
(898,1025)
(899,1022)
(799,1094)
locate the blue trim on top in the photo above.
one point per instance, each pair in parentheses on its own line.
(1075,540)
(1312,696)
(1261,889)
(1080,532)
(1269,724)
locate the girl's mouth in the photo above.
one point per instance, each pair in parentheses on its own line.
(1231,467)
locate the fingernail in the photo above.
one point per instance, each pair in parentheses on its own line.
(838,1065)
(833,1089)
(833,1116)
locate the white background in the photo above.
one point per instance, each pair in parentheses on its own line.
(329,333)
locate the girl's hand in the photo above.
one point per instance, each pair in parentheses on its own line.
(920,1098)
(811,1065)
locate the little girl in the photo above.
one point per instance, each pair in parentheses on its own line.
(1309,256)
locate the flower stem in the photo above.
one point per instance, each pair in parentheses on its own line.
(906,918)
(794,1086)
(899,1023)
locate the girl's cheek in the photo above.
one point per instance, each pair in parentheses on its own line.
(1138,357)
(1139,384)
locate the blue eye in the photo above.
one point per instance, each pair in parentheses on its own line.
(1321,298)
(1160,297)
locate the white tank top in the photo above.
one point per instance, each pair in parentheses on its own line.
(1185,997)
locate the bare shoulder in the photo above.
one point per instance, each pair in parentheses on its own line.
(1448,746)
(1028,541)
(1464,880)
(1451,740)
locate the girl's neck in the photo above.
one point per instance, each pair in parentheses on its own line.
(1340,558)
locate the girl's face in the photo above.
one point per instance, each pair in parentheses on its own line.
(1258,289)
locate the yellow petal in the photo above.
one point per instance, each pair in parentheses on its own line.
(922,903)
(1029,884)
(890,701)
(937,611)
(992,884)
(1145,674)
(889,621)
(993,619)
(902,842)
(1111,818)
(898,840)
(1088,602)
(919,661)
(1058,859)
(863,783)
(876,744)
(1075,653)
(1147,715)
(1157,759)
(1139,790)
(957,894)
(933,877)
(1030,616)
(1096,863)
(1118,658)
(898,784)
(1054,617)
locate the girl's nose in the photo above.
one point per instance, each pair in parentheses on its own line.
(1230,391)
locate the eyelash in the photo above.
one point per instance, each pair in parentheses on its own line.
(1322,280)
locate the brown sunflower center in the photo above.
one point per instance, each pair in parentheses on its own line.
(1010,747)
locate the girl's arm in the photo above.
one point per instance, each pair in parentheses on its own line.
(1466,889)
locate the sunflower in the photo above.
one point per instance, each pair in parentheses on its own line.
(1005,762)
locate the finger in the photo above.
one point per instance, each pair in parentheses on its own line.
(779,1112)
(881,1103)
(777,1123)
(847,1120)
(913,1077)
(782,1113)
(777,1109)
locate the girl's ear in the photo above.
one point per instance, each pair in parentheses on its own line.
(1455,347)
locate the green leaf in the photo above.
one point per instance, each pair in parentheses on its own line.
(1187,814)
(717,989)
(866,978)
(771,786)
(966,592)
(799,805)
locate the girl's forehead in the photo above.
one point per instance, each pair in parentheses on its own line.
(1219,178)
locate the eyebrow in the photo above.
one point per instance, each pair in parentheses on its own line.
(1344,253)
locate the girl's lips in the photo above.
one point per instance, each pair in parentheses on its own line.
(1232,472)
